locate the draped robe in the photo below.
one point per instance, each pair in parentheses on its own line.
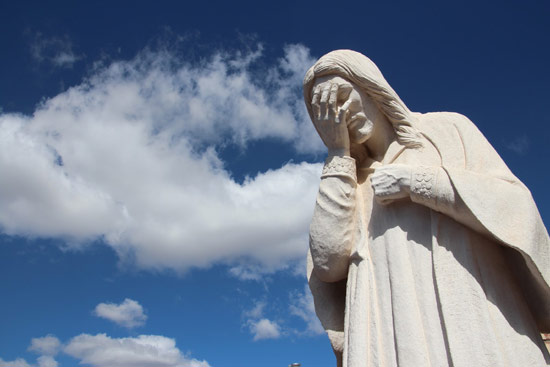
(457,275)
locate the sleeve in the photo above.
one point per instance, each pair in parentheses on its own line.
(483,194)
(330,303)
(331,241)
(331,230)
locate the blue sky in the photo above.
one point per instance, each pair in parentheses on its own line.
(158,168)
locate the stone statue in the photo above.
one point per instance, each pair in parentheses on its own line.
(425,249)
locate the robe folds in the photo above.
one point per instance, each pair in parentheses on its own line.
(457,275)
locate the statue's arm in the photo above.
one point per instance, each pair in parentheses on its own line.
(431,186)
(331,230)
(471,198)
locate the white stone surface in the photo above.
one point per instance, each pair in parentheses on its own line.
(425,250)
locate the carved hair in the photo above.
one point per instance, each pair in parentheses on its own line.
(361,71)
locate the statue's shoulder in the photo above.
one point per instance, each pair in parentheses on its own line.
(445,118)
(445,122)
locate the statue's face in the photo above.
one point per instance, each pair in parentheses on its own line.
(353,106)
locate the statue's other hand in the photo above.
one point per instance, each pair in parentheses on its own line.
(391,182)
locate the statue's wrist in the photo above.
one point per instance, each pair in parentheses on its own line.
(342,166)
(339,152)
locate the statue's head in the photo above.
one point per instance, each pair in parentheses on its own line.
(361,71)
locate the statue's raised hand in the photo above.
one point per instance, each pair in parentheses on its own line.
(332,104)
(391,182)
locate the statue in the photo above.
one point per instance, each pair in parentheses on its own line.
(425,249)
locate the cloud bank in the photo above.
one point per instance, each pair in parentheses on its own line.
(131,156)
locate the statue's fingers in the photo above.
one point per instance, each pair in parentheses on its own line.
(379,176)
(380,185)
(379,191)
(332,99)
(315,101)
(374,189)
(380,171)
(324,100)
(342,113)
(375,178)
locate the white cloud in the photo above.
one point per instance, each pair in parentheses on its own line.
(131,156)
(259,326)
(301,305)
(46,361)
(46,345)
(265,329)
(19,362)
(143,351)
(128,314)
(58,51)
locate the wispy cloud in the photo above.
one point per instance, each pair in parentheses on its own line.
(519,145)
(56,51)
(145,350)
(259,326)
(129,313)
(264,319)
(255,312)
(301,305)
(131,156)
